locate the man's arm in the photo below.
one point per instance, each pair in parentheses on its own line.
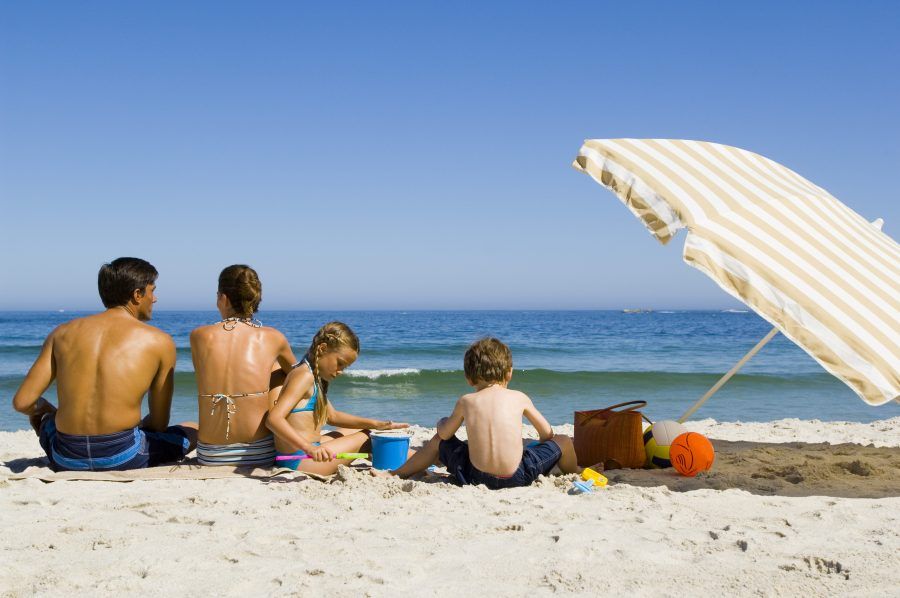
(448,426)
(28,398)
(540,423)
(160,392)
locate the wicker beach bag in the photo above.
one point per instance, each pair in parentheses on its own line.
(611,436)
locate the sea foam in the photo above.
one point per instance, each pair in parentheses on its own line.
(385,373)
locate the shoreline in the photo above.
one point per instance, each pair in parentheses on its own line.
(879,432)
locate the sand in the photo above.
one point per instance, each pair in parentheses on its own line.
(769,519)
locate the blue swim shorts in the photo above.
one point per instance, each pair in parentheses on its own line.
(129,449)
(537,459)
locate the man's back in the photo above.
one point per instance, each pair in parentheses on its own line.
(104,365)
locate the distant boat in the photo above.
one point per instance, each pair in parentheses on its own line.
(637,311)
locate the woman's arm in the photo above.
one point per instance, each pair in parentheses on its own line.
(284,363)
(285,356)
(346,420)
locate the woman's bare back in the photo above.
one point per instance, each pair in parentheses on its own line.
(233,361)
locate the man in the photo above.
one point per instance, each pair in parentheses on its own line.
(103,365)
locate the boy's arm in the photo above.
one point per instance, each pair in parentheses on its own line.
(448,426)
(540,423)
(160,392)
(28,399)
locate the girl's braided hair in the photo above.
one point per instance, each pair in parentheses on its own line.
(330,337)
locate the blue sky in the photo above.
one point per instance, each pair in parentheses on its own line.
(410,155)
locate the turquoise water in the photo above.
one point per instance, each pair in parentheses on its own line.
(410,364)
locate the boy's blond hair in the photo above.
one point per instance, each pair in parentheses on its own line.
(487,360)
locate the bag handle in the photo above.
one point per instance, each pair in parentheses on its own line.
(634,405)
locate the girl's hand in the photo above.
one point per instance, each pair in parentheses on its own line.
(391,425)
(319,454)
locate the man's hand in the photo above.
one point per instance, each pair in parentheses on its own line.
(41,408)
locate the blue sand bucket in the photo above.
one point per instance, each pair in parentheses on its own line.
(389,449)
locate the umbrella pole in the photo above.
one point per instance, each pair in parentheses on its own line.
(728,376)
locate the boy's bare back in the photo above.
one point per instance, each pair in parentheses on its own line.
(494,455)
(493,420)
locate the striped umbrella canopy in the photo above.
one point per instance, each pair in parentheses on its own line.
(815,269)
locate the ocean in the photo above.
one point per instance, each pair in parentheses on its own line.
(410,363)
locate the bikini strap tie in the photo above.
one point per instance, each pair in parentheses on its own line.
(230,409)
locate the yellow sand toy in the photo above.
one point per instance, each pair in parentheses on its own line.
(591,479)
(598,478)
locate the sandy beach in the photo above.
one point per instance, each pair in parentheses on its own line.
(775,518)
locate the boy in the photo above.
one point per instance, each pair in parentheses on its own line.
(493,415)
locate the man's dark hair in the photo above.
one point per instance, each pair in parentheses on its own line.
(119,279)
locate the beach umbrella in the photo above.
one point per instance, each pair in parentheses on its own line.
(809,265)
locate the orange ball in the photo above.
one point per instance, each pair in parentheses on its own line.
(691,453)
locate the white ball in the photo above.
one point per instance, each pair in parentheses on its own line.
(666,431)
(657,440)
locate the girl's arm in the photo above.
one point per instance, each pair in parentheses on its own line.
(346,420)
(298,384)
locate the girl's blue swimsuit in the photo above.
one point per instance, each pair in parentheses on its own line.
(311,403)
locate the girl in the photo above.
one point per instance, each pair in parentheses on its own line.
(234,359)
(303,407)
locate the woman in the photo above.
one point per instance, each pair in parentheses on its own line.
(240,364)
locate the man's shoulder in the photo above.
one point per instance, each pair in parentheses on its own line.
(154,335)
(78,326)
